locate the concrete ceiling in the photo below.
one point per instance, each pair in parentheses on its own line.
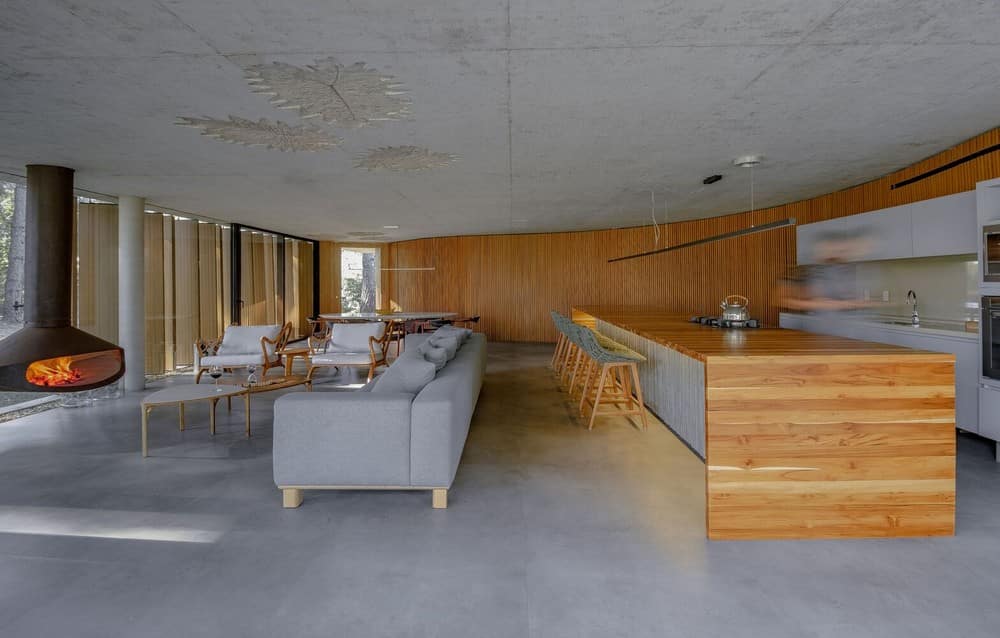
(565,113)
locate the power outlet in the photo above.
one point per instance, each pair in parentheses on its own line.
(885,296)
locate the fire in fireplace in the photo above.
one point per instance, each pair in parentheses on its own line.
(49,354)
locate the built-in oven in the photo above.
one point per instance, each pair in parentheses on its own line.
(990,327)
(991,253)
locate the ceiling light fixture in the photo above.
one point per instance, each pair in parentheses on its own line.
(748,161)
(391,227)
(711,179)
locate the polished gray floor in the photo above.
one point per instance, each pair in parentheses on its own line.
(551,531)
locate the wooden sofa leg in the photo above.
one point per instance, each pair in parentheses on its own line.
(291,497)
(439,499)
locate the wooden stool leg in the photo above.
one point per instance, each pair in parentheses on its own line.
(638,394)
(597,397)
(180,417)
(586,385)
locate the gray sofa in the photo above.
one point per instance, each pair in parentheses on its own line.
(379,440)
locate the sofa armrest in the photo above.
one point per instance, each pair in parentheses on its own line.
(341,439)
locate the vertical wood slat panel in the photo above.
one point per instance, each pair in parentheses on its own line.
(155,335)
(169,300)
(226,270)
(186,278)
(208,282)
(514,280)
(97,270)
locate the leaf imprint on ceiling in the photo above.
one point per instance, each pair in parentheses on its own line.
(348,96)
(273,135)
(403,158)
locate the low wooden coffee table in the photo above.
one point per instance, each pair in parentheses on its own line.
(181,394)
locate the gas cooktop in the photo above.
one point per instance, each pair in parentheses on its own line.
(718,322)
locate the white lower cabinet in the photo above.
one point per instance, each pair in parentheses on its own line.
(989,412)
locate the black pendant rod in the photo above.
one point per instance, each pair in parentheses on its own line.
(707,240)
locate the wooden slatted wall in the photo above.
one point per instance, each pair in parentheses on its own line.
(514,280)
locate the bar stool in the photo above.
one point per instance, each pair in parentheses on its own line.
(618,378)
(561,344)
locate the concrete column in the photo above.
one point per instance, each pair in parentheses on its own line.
(131,289)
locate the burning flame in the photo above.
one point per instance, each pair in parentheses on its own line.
(53,372)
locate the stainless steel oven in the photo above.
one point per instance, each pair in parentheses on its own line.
(991,253)
(991,337)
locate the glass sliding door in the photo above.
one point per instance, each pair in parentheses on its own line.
(261,284)
(359,279)
(275,279)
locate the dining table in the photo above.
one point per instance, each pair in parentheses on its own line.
(360,317)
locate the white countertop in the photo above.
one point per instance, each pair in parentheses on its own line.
(940,327)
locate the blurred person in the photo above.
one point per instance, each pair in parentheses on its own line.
(830,284)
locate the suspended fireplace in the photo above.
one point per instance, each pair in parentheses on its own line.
(49,354)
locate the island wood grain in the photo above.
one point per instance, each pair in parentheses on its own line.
(813,436)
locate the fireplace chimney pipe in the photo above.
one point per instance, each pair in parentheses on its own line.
(48,247)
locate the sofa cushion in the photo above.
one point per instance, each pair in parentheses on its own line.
(246,339)
(448,331)
(449,343)
(342,359)
(437,356)
(232,360)
(354,336)
(409,374)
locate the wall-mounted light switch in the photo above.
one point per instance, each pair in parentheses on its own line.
(885,295)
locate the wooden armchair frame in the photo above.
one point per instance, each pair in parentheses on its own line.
(378,352)
(210,347)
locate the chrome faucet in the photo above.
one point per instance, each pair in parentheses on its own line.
(911,298)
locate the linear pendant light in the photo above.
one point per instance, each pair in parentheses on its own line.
(707,240)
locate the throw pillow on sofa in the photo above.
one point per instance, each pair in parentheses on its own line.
(448,331)
(450,344)
(437,356)
(408,375)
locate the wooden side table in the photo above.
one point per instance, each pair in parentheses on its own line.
(290,354)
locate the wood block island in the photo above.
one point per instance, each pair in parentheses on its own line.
(803,435)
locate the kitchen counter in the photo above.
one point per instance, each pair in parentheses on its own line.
(804,435)
(702,342)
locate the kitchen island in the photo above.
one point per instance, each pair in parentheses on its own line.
(803,435)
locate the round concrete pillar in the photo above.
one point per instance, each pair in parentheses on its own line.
(131,289)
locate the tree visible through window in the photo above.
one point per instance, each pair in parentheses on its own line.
(358,279)
(12,214)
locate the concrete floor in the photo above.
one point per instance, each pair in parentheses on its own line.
(551,531)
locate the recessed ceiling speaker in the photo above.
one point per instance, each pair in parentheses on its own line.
(711,179)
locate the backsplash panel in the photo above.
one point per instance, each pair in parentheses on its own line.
(946,287)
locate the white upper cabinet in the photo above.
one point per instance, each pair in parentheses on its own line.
(945,225)
(808,235)
(890,230)
(940,226)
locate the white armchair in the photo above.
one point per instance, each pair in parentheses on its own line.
(241,346)
(352,345)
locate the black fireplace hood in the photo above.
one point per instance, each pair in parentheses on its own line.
(49,354)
